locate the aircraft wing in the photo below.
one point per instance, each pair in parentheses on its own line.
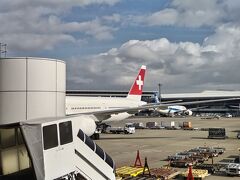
(233,106)
(201,102)
(105,114)
(165,102)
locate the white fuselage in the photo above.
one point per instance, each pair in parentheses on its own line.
(76,104)
(171,110)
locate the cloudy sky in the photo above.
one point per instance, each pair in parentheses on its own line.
(187,45)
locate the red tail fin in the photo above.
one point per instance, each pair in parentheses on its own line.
(136,89)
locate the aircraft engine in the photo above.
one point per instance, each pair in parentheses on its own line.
(188,112)
(86,124)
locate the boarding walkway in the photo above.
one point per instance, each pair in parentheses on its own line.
(60,150)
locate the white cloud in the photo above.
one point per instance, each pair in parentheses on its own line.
(113,18)
(212,65)
(190,13)
(22,42)
(37,25)
(163,17)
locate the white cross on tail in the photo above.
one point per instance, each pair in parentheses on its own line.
(139,82)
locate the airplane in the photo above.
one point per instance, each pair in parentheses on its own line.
(98,105)
(97,111)
(172,110)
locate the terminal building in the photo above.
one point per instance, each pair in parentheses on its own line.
(224,107)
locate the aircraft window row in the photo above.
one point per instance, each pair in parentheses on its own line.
(92,145)
(86,108)
(50,134)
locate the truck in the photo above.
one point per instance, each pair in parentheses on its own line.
(186,125)
(138,125)
(151,125)
(233,169)
(168,124)
(238,135)
(127,129)
(217,133)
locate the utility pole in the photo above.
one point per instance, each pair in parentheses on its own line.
(159,92)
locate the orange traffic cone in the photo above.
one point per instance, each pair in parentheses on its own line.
(138,162)
(190,175)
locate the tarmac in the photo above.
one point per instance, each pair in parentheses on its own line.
(157,144)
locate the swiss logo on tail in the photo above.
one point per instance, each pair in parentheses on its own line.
(137,87)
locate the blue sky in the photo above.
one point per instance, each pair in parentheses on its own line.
(187,45)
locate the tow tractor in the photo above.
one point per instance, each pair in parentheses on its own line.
(233,169)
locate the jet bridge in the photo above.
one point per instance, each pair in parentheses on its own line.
(59,149)
(37,140)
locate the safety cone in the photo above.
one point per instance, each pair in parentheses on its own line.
(146,167)
(138,162)
(190,175)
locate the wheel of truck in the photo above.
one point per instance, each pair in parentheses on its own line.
(97,136)
(125,132)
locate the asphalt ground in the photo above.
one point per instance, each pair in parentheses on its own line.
(157,144)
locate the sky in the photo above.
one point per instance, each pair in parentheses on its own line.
(187,45)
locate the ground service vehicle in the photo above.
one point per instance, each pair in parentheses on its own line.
(138,125)
(233,169)
(127,129)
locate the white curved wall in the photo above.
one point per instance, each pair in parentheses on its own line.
(31,88)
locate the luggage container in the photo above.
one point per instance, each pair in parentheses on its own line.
(138,125)
(151,124)
(217,133)
(168,124)
(233,169)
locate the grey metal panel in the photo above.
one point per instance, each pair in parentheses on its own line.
(31,88)
(61,104)
(33,136)
(12,107)
(13,75)
(61,77)
(41,75)
(41,104)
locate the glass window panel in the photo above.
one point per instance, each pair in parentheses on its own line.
(90,143)
(24,161)
(8,138)
(110,161)
(81,135)
(50,138)
(99,152)
(9,161)
(19,137)
(65,132)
